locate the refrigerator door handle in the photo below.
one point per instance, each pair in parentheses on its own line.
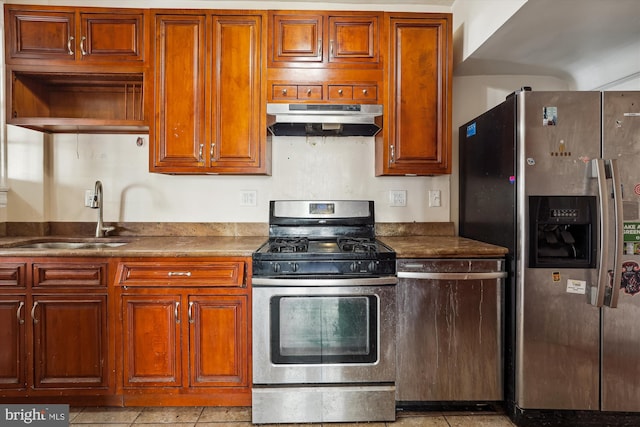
(611,298)
(596,297)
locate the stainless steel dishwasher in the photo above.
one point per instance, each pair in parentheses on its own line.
(449,330)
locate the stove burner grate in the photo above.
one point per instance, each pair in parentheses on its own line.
(289,244)
(354,244)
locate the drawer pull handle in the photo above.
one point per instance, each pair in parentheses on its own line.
(176,312)
(82,40)
(179,274)
(33,312)
(69,41)
(190,312)
(201,153)
(20,319)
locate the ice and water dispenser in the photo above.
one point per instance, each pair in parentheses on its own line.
(562,231)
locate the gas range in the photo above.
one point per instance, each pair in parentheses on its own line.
(323,238)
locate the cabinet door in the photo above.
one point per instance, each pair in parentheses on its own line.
(40,34)
(218,328)
(70,342)
(12,337)
(296,38)
(418,135)
(152,340)
(354,39)
(178,134)
(238,132)
(113,37)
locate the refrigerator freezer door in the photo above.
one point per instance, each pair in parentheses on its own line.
(557,354)
(620,326)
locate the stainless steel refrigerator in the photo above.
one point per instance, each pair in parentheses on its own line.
(555,177)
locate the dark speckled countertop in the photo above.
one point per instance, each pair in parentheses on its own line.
(409,240)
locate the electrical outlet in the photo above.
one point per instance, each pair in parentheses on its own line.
(434,199)
(398,198)
(248,198)
(88,198)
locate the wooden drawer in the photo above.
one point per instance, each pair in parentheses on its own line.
(296,92)
(187,273)
(337,92)
(362,93)
(13,274)
(69,274)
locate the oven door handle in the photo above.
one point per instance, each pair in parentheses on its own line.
(360,281)
(452,276)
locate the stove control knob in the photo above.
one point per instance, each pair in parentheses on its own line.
(276,267)
(372,266)
(294,267)
(354,267)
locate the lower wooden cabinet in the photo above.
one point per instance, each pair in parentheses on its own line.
(54,330)
(185,332)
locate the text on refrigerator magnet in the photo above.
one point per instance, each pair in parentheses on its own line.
(576,286)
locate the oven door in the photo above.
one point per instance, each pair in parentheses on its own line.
(324,331)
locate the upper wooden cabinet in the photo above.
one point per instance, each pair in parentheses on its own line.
(77,69)
(66,35)
(324,39)
(210,104)
(416,138)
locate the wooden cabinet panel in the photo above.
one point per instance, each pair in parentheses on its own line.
(151,342)
(63,35)
(70,341)
(218,340)
(324,39)
(210,107)
(12,337)
(296,38)
(69,274)
(41,35)
(354,39)
(184,273)
(112,36)
(179,136)
(237,143)
(13,275)
(417,134)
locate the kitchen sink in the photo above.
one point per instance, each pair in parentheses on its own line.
(70,245)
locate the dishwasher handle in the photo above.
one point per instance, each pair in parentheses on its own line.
(452,276)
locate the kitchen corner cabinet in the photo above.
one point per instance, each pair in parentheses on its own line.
(53,324)
(416,138)
(210,108)
(76,69)
(185,328)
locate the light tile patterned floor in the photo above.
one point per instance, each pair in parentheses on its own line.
(199,416)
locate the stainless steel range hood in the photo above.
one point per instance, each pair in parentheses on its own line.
(324,119)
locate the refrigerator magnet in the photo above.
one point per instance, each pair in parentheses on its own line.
(576,286)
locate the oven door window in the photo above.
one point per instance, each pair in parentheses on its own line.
(324,329)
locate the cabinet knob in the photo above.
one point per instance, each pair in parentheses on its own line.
(284,92)
(365,92)
(340,92)
(308,92)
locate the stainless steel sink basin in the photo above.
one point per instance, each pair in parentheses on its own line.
(70,245)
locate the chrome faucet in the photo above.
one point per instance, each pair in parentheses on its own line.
(101,230)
